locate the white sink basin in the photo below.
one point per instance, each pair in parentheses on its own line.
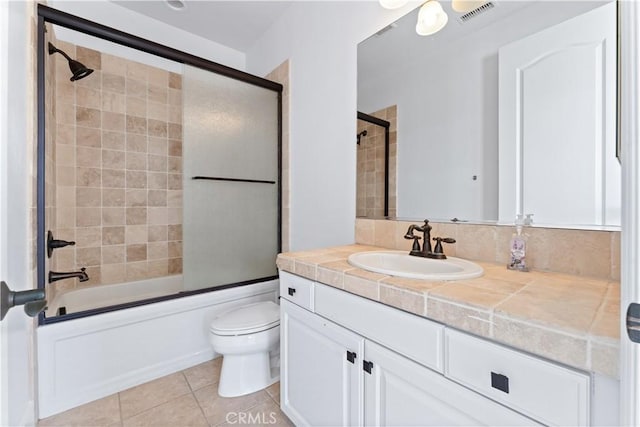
(401,264)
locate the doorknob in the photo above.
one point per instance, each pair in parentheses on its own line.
(34,300)
(633,322)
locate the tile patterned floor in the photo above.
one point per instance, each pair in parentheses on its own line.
(186,398)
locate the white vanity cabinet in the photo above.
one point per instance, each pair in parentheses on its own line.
(553,394)
(400,392)
(347,360)
(319,384)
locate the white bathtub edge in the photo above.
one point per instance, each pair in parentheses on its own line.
(76,357)
(126,381)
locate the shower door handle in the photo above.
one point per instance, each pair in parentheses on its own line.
(220,178)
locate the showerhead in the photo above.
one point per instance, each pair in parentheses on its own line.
(360,135)
(78,70)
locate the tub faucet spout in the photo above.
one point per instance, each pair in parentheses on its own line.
(54,276)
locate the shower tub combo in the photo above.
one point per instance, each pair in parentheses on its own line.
(201,166)
(85,359)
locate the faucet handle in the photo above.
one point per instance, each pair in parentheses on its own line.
(416,245)
(55,243)
(438,249)
(445,239)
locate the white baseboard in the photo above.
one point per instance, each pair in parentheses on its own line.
(29,416)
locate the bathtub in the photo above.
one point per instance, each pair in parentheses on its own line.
(75,300)
(85,359)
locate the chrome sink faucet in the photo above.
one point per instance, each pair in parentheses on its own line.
(426,251)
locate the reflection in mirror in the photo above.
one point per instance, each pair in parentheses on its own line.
(446,89)
(376,164)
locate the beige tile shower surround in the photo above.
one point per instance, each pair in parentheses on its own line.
(118,169)
(370,166)
(566,310)
(281,75)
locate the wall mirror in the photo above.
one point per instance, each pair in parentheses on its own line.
(483,134)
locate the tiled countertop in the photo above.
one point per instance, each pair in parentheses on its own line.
(570,319)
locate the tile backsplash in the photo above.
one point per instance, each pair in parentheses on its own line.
(578,252)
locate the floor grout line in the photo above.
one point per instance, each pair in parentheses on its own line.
(201,408)
(120,410)
(155,406)
(187,380)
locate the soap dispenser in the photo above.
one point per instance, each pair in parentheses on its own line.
(518,247)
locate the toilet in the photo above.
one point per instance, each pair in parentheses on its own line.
(248,338)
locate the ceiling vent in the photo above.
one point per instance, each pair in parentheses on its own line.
(477,12)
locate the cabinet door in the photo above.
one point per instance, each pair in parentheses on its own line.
(399,392)
(319,385)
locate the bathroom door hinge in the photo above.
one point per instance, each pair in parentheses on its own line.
(633,322)
(351,356)
(367,366)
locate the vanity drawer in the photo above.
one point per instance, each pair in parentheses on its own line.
(407,334)
(540,389)
(297,289)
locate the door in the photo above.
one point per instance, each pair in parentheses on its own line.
(230,168)
(320,386)
(17,330)
(4,60)
(630,246)
(400,392)
(557,107)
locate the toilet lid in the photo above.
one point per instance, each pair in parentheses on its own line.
(247,319)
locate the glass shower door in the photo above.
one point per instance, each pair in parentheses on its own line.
(231,179)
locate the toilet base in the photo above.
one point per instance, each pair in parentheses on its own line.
(246,373)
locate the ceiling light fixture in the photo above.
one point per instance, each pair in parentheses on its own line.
(431,18)
(464,6)
(393,4)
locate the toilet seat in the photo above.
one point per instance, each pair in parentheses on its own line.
(247,319)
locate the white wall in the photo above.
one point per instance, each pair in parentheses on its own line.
(320,40)
(123,19)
